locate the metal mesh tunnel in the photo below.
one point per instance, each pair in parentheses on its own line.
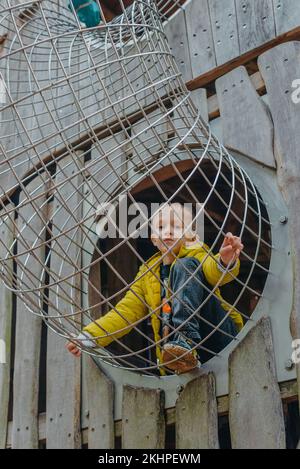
(96,120)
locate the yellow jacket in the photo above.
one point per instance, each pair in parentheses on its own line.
(144,297)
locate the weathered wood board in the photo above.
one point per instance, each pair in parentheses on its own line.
(255,409)
(280,68)
(31,223)
(247,126)
(200,37)
(224,28)
(256,23)
(100,390)
(63,369)
(176,32)
(196,415)
(6,298)
(143,421)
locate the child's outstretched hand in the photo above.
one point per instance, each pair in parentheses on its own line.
(230,249)
(71,347)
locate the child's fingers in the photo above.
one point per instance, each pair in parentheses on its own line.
(226,249)
(227,239)
(238,245)
(72,348)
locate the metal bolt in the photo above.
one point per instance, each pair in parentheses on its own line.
(87,413)
(289,364)
(179,388)
(283,219)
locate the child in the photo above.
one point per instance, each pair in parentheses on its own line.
(177,266)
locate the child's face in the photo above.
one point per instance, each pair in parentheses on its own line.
(168,231)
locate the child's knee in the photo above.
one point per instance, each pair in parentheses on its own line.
(186,264)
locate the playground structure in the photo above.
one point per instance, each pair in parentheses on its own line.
(88,115)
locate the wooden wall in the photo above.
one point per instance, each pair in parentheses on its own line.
(206,34)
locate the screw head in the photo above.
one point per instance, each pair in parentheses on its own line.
(179,388)
(289,364)
(283,219)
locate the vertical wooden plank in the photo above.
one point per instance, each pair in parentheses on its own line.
(199,98)
(176,32)
(140,72)
(28,326)
(197,416)
(97,397)
(6,228)
(100,394)
(150,142)
(6,297)
(255,408)
(279,67)
(143,421)
(224,29)
(12,134)
(63,369)
(287,13)
(256,24)
(107,166)
(201,44)
(247,126)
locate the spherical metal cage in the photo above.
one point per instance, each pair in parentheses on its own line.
(95,118)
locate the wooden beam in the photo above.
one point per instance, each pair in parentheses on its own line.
(206,78)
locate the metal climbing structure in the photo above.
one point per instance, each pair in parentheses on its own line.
(128,112)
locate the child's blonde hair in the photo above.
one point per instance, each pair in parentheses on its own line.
(185,215)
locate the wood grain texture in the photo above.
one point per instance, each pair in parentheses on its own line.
(28,326)
(6,305)
(200,37)
(247,126)
(280,67)
(143,420)
(177,34)
(100,390)
(196,415)
(255,409)
(63,369)
(256,23)
(287,15)
(224,29)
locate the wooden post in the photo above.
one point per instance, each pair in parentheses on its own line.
(280,67)
(255,408)
(6,296)
(101,434)
(196,415)
(28,326)
(143,420)
(63,369)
